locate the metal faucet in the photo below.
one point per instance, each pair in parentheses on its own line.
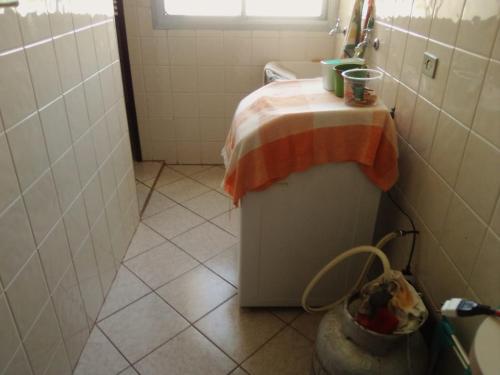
(359,50)
(336,29)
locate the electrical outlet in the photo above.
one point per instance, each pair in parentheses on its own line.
(429,65)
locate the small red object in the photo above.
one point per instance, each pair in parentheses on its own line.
(383,321)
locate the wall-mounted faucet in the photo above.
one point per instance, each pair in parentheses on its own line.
(337,29)
(359,50)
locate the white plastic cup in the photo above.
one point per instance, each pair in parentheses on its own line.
(361,86)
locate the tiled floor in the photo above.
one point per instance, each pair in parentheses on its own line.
(173,307)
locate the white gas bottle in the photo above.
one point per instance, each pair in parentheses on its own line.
(343,347)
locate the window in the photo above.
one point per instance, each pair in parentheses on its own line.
(309,14)
(203,7)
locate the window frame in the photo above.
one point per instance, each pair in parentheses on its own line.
(162,20)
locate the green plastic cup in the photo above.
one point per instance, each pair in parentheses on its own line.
(339,80)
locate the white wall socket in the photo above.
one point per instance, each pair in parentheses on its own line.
(429,65)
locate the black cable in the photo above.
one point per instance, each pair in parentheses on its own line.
(414,232)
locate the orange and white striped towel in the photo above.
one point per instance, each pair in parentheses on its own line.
(290,126)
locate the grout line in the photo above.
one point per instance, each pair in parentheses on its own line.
(222,228)
(157,347)
(11,360)
(264,344)
(182,204)
(283,320)
(96,326)
(63,345)
(100,320)
(178,234)
(221,276)
(105,295)
(162,344)
(215,308)
(187,252)
(50,169)
(192,324)
(123,261)
(21,268)
(62,95)
(163,284)
(218,347)
(151,190)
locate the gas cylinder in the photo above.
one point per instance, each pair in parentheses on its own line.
(343,347)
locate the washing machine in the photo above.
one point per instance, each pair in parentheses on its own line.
(290,230)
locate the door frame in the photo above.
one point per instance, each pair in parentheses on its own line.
(128,91)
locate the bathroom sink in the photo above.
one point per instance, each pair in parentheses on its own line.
(291,70)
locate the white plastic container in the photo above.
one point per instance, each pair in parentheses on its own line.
(361,86)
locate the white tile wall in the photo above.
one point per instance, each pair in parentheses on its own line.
(67,194)
(187,83)
(449,142)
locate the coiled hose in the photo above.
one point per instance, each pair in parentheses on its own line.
(374,251)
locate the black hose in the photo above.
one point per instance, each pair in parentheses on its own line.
(414,232)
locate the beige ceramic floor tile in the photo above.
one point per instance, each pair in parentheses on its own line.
(226,264)
(125,289)
(173,221)
(225,193)
(239,332)
(287,353)
(183,190)
(189,170)
(205,241)
(307,324)
(157,203)
(211,177)
(167,176)
(188,353)
(146,170)
(143,326)
(160,265)
(100,357)
(75,345)
(209,205)
(59,364)
(196,293)
(239,371)
(287,314)
(142,194)
(144,239)
(229,221)
(128,371)
(18,364)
